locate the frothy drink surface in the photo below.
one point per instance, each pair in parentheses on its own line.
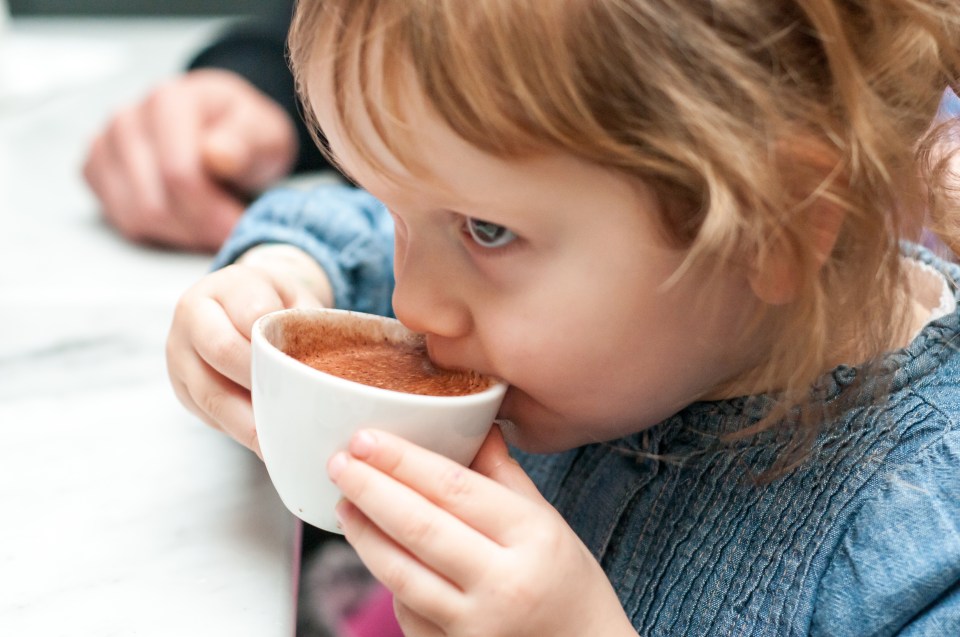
(363,355)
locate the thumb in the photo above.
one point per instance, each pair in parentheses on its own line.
(250,148)
(494,461)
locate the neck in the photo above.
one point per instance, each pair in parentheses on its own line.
(916,298)
(847,344)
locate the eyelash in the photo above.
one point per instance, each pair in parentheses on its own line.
(471,234)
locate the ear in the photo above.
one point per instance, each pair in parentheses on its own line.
(776,279)
(807,164)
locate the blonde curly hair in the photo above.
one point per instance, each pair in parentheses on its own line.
(748,118)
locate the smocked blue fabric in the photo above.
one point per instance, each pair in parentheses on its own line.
(862,539)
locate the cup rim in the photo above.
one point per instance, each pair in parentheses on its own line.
(260,343)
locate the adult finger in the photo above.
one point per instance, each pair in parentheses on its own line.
(145,208)
(252,144)
(115,170)
(206,209)
(105,176)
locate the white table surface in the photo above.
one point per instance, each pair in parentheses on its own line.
(121,513)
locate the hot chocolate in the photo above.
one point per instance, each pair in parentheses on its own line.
(361,354)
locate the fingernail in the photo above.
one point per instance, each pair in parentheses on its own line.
(362,444)
(336,464)
(338,513)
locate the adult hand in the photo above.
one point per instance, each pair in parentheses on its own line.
(208,347)
(469,551)
(176,169)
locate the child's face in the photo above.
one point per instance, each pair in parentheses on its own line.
(551,274)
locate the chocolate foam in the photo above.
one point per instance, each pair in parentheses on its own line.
(362,353)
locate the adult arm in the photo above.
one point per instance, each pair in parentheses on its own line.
(256,51)
(179,166)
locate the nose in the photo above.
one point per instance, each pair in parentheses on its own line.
(428,297)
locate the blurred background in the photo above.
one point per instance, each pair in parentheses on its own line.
(139,7)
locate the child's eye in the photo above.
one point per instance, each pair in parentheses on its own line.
(489,235)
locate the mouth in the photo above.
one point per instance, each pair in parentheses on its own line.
(444,362)
(437,359)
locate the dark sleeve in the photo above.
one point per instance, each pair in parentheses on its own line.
(256,50)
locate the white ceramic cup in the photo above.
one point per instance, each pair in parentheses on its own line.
(303,416)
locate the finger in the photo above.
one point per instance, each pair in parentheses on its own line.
(206,210)
(173,121)
(223,405)
(104,174)
(110,180)
(297,277)
(248,154)
(294,294)
(262,295)
(412,583)
(413,623)
(224,155)
(218,402)
(494,461)
(217,341)
(251,145)
(182,392)
(210,214)
(146,207)
(123,172)
(436,537)
(490,508)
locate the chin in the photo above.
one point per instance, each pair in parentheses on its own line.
(529,426)
(533,427)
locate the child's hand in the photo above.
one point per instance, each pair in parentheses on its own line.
(208,348)
(469,551)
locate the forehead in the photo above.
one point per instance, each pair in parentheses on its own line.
(436,161)
(348,103)
(390,138)
(386,134)
(372,77)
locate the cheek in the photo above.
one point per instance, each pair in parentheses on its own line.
(596,382)
(555,361)
(399,242)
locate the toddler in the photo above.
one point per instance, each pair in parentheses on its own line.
(682,232)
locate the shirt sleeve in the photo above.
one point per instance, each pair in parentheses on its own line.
(897,568)
(346,230)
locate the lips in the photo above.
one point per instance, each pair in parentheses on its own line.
(446,358)
(442,358)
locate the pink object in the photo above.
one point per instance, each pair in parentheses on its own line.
(374,618)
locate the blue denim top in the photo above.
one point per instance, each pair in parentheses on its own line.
(949,105)
(863,538)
